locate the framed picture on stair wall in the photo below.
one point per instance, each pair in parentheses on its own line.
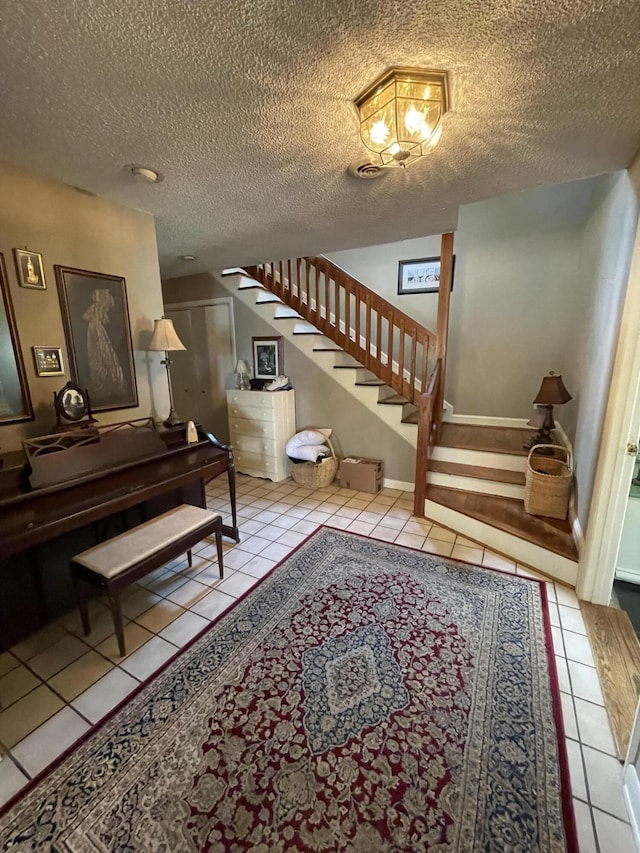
(421,275)
(267,357)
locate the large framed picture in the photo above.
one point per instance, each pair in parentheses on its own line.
(15,402)
(29,269)
(48,361)
(95,317)
(421,275)
(267,357)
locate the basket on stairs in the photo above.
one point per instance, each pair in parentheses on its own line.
(316,475)
(548,481)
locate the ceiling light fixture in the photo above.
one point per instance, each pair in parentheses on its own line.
(188,258)
(146,174)
(401,114)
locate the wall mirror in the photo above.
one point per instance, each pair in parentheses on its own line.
(73,407)
(15,403)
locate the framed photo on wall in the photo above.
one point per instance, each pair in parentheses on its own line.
(15,402)
(95,317)
(421,275)
(267,357)
(48,361)
(29,269)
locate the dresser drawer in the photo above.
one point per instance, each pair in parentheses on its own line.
(254,444)
(242,426)
(255,462)
(250,412)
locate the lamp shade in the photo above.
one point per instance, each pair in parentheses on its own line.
(552,392)
(242,367)
(165,338)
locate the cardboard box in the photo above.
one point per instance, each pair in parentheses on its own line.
(364,475)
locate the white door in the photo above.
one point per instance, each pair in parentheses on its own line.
(202,373)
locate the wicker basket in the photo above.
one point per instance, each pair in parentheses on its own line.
(315,475)
(548,481)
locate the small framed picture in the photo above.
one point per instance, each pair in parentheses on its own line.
(48,361)
(267,357)
(29,269)
(421,275)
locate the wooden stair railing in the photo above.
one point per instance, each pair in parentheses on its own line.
(405,355)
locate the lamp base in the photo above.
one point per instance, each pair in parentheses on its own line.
(173,420)
(541,437)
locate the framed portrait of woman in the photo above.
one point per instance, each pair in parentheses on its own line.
(95,317)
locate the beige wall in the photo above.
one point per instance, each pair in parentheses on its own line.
(74,229)
(320,401)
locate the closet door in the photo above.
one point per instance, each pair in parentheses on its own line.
(201,374)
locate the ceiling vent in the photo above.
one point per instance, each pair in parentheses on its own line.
(365,169)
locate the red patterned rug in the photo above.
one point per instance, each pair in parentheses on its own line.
(364,697)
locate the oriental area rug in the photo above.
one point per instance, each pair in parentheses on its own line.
(363,697)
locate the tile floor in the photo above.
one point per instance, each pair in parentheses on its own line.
(57,683)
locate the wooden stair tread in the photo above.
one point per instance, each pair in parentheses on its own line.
(347,367)
(479,472)
(411,418)
(616,651)
(371,382)
(486,438)
(393,400)
(508,514)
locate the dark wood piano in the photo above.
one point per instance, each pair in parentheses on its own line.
(76,489)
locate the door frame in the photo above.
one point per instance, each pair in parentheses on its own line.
(615,466)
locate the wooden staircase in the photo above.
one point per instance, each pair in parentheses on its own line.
(469,477)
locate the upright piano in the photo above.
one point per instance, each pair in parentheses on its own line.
(74,490)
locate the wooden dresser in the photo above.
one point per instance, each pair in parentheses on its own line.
(260,424)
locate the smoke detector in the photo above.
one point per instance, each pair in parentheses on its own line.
(365,169)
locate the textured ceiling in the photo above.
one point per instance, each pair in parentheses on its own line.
(246,107)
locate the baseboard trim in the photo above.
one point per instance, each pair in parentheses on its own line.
(631,788)
(486,420)
(398,484)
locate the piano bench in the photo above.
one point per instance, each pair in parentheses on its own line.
(124,559)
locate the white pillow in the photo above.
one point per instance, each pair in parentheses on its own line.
(305,436)
(309,452)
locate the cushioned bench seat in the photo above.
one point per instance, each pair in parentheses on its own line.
(124,559)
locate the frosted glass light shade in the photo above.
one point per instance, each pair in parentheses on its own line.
(401,114)
(165,338)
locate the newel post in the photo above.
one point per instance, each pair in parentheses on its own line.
(444,299)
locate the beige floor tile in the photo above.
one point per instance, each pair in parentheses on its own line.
(105,694)
(385,534)
(79,675)
(148,658)
(339,522)
(437,546)
(409,540)
(57,656)
(188,593)
(442,534)
(25,715)
(38,642)
(134,636)
(50,740)
(11,780)
(159,616)
(141,600)
(418,528)
(470,555)
(184,628)
(7,663)
(16,684)
(398,512)
(496,561)
(101,627)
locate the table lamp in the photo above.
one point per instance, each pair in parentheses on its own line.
(243,376)
(165,339)
(552,393)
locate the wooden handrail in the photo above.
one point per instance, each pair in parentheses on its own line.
(385,340)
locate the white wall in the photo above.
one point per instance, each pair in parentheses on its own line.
(604,271)
(76,230)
